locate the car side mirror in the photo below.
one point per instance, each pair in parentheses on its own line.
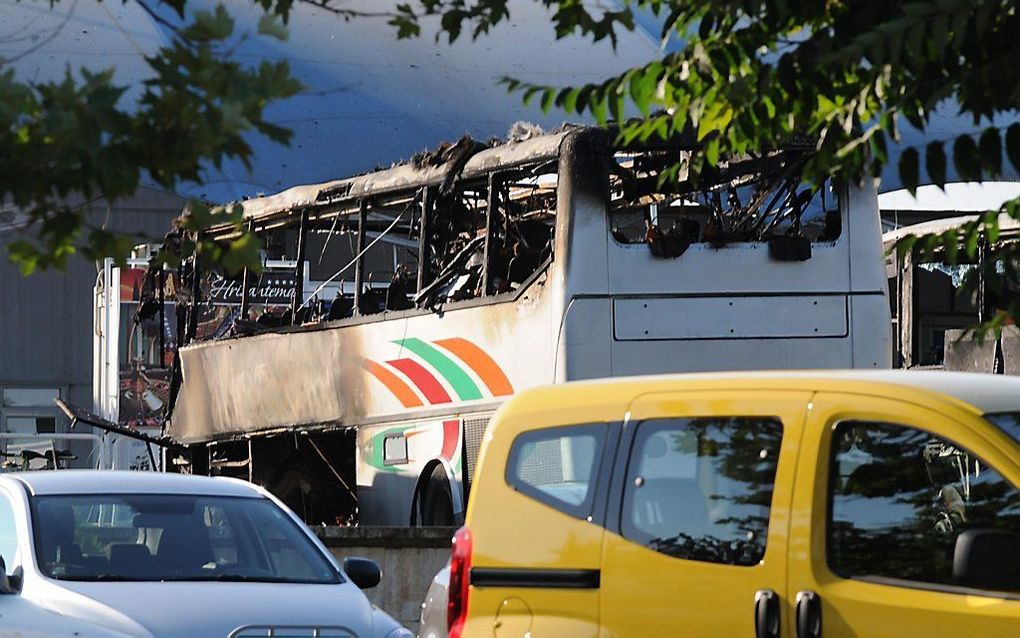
(987,558)
(363,572)
(8,584)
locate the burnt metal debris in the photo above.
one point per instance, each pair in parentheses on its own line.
(759,198)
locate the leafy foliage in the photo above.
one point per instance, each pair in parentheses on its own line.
(75,138)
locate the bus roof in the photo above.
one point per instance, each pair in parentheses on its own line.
(411,174)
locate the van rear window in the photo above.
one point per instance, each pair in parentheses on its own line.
(557,466)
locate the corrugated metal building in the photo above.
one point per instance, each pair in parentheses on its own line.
(46,339)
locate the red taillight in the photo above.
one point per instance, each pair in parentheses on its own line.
(460,579)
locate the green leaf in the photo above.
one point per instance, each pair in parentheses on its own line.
(966,159)
(972,237)
(599,108)
(715,118)
(992,229)
(990,148)
(570,100)
(548,99)
(908,167)
(1013,144)
(406,27)
(950,241)
(905,245)
(208,26)
(712,152)
(935,162)
(243,252)
(24,255)
(451,23)
(273,26)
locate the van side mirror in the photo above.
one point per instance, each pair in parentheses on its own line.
(8,584)
(363,572)
(987,558)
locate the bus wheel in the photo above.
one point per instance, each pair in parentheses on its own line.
(437,504)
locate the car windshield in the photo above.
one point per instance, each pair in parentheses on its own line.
(1008,422)
(158,537)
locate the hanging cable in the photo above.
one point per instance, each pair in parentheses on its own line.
(356,257)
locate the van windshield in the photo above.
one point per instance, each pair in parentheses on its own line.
(1008,422)
(162,537)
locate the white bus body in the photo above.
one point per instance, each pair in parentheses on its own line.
(420,384)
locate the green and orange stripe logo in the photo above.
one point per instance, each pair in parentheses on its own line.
(449,359)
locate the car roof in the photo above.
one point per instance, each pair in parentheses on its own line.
(981,393)
(128,482)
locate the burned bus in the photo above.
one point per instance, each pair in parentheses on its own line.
(426,294)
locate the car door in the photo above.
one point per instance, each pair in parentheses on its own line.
(696,540)
(884,489)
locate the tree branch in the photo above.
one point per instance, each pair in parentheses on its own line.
(348,13)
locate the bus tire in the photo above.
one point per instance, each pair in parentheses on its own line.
(437,500)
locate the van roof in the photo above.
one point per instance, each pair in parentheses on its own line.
(982,393)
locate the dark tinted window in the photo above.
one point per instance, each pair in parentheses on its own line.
(701,489)
(901,496)
(148,537)
(558,466)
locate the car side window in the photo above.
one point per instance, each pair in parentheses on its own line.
(8,535)
(558,466)
(899,498)
(701,488)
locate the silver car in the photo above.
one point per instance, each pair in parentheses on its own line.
(102,553)
(433,608)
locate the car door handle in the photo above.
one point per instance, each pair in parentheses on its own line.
(809,615)
(766,614)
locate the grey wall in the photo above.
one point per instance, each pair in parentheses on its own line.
(409,558)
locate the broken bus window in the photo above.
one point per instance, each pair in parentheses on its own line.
(744,200)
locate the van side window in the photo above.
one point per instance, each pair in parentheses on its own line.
(901,496)
(8,535)
(558,466)
(701,488)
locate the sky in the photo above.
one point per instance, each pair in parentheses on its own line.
(370,100)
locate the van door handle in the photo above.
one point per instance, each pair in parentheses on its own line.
(766,614)
(809,615)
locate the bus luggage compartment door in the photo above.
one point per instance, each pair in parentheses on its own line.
(730,317)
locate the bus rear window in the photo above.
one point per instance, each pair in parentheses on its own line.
(749,200)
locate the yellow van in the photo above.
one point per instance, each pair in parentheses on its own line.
(789,504)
